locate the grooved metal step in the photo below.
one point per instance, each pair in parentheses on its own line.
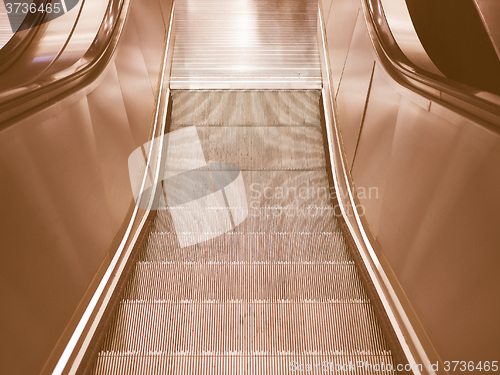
(268,219)
(250,247)
(228,281)
(293,189)
(245,108)
(245,45)
(248,327)
(119,363)
(264,147)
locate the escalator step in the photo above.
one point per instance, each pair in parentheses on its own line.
(250,247)
(227,281)
(263,147)
(245,108)
(269,219)
(246,44)
(119,363)
(245,327)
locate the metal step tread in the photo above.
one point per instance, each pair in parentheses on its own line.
(270,282)
(249,27)
(245,107)
(218,83)
(215,326)
(264,147)
(297,189)
(264,247)
(265,363)
(275,219)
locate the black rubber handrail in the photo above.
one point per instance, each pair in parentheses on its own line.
(457,40)
(463,98)
(53,87)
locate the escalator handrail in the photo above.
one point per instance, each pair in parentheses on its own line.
(53,87)
(21,38)
(461,97)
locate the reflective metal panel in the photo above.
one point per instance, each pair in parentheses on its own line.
(441,206)
(147,24)
(374,150)
(354,87)
(132,70)
(339,32)
(65,197)
(326,6)
(437,213)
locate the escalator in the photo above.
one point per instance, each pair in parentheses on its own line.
(281,291)
(287,115)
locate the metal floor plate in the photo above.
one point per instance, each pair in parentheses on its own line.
(245,44)
(278,292)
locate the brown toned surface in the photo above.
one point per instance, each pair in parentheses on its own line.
(278,291)
(246,44)
(66,196)
(436,214)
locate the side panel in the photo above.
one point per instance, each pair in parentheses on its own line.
(428,181)
(65,192)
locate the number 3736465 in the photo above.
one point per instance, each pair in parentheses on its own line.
(485,366)
(24,8)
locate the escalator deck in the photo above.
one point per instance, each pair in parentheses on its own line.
(277,294)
